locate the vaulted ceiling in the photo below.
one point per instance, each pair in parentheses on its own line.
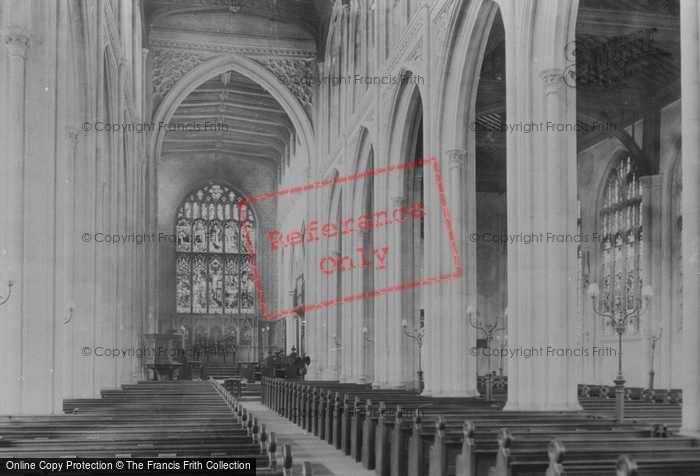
(232,114)
(302,13)
(229,114)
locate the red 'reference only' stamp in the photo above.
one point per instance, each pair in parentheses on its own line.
(318,230)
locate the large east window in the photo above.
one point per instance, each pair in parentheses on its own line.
(214,266)
(621,219)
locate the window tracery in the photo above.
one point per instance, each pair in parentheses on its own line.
(621,219)
(214,267)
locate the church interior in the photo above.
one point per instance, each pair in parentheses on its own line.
(446,237)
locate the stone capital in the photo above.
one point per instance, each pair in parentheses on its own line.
(72,136)
(362,235)
(399,201)
(552,79)
(335,254)
(456,157)
(17,41)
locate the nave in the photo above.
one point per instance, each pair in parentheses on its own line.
(360,430)
(386,191)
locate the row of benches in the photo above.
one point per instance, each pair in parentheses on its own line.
(674,396)
(151,419)
(500,387)
(396,432)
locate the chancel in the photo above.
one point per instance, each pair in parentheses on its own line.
(444,237)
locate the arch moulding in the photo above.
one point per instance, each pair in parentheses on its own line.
(249,68)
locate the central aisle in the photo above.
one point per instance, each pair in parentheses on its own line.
(324,458)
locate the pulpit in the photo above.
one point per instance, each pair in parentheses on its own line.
(163,354)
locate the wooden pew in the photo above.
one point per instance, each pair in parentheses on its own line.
(147,421)
(476,451)
(529,455)
(440,443)
(677,465)
(357,431)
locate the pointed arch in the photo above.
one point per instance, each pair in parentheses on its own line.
(256,72)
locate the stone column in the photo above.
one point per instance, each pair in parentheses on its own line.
(399,351)
(68,260)
(17,44)
(380,304)
(461,336)
(142,97)
(541,297)
(690,116)
(346,315)
(360,321)
(334,350)
(291,334)
(542,193)
(652,269)
(382,339)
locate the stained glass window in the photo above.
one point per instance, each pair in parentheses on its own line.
(214,271)
(621,219)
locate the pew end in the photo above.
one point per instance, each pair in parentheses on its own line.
(556,453)
(503,456)
(466,465)
(272,451)
(254,430)
(263,438)
(287,460)
(626,466)
(306,469)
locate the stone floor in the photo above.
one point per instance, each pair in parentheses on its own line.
(324,458)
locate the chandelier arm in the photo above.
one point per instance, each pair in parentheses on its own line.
(633,311)
(643,311)
(9,293)
(495,323)
(409,335)
(608,316)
